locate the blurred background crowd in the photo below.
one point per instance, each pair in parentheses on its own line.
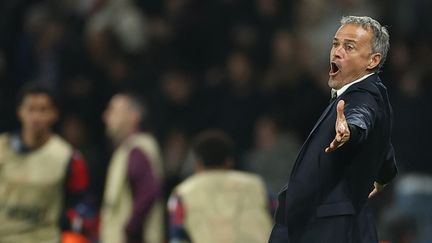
(257,69)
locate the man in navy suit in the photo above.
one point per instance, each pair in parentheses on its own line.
(348,153)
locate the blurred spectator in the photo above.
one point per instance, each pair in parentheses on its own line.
(131,211)
(411,210)
(218,204)
(175,151)
(288,86)
(40,46)
(43,179)
(124,20)
(75,131)
(239,102)
(177,104)
(274,153)
(284,70)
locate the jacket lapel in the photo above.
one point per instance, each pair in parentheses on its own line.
(300,154)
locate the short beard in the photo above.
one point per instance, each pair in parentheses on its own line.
(331,83)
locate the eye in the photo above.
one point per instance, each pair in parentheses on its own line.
(349,47)
(335,43)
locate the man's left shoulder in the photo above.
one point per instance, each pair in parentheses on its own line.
(370,89)
(369,85)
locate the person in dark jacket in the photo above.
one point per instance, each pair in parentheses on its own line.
(348,156)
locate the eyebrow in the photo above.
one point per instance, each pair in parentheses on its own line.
(346,40)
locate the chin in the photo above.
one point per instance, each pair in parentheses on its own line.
(335,83)
(332,83)
(110,133)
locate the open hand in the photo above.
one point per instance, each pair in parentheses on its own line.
(342,130)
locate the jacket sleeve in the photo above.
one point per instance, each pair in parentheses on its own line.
(388,169)
(360,113)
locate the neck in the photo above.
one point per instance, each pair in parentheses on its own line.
(199,167)
(118,140)
(32,140)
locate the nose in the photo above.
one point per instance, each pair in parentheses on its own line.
(337,51)
(36,115)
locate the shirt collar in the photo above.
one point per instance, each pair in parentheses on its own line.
(346,86)
(18,144)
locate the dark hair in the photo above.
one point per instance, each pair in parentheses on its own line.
(213,147)
(36,88)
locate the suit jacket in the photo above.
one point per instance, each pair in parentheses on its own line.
(326,197)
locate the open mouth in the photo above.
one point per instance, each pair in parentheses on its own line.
(334,69)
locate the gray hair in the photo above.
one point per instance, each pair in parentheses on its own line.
(380,42)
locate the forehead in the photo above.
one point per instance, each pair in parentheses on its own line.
(37,99)
(119,101)
(354,32)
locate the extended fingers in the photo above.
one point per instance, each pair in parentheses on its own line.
(328,149)
(342,131)
(373,193)
(333,146)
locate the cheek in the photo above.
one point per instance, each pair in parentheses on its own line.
(27,117)
(21,115)
(114,120)
(49,118)
(355,62)
(348,64)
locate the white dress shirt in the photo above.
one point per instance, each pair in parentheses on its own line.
(346,86)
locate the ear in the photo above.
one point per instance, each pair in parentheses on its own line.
(374,61)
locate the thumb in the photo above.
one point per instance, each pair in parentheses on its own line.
(340,110)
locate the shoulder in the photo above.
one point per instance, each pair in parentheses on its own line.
(235,178)
(245,181)
(145,142)
(4,138)
(4,145)
(362,95)
(77,159)
(245,177)
(60,142)
(371,87)
(142,138)
(189,183)
(4,135)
